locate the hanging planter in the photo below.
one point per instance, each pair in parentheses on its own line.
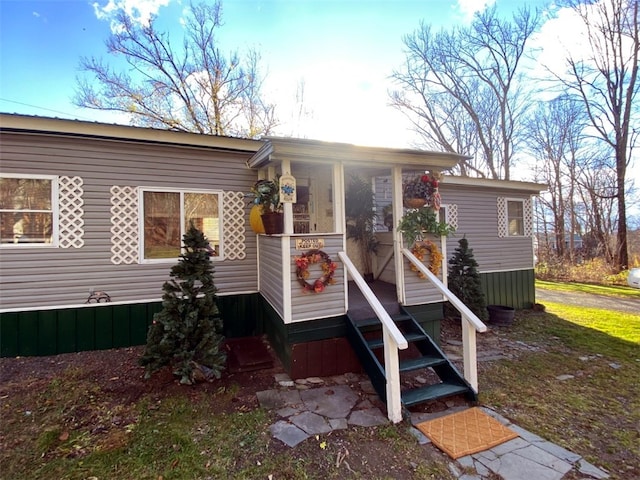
(419,191)
(415,202)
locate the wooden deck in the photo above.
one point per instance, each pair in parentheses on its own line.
(386,293)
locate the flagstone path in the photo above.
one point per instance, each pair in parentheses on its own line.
(316,406)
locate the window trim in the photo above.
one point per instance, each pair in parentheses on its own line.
(55,208)
(522,201)
(181,191)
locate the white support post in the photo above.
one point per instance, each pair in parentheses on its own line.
(396,191)
(338,199)
(285,167)
(469,353)
(392,372)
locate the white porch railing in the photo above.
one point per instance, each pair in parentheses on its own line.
(470,322)
(392,337)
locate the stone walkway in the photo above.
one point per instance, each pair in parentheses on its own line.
(316,406)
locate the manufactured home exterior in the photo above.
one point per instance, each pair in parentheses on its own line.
(114,200)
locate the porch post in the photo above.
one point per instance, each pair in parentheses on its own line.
(285,167)
(396,199)
(338,198)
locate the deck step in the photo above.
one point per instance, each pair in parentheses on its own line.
(432,392)
(421,362)
(411,337)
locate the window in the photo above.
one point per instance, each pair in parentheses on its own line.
(515,217)
(167,214)
(28,210)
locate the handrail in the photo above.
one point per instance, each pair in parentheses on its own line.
(471,317)
(473,323)
(393,340)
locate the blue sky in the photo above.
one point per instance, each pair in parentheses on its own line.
(343,50)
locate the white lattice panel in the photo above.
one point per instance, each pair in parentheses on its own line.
(70,212)
(451,214)
(234,229)
(503,229)
(124,225)
(528,217)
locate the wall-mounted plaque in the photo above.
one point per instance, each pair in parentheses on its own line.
(309,243)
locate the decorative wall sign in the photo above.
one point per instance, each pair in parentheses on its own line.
(287,188)
(307,243)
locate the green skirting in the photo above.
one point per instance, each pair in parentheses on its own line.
(104,326)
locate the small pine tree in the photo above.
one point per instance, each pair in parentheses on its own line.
(464,279)
(185,333)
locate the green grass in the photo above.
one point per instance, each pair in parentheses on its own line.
(609,290)
(596,412)
(185,435)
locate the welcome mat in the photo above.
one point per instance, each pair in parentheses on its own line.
(467,432)
(247,354)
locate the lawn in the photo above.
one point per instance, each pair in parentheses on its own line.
(608,290)
(91,416)
(595,409)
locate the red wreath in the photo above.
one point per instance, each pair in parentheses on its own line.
(302,270)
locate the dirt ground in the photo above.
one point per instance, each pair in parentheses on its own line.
(119,379)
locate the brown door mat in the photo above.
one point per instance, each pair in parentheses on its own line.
(246,354)
(467,432)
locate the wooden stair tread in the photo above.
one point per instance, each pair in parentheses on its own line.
(432,392)
(411,337)
(425,361)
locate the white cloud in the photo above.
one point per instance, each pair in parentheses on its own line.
(139,11)
(469,7)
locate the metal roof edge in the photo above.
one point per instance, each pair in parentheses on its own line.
(65,127)
(495,183)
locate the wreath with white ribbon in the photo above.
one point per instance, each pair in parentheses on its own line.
(313,257)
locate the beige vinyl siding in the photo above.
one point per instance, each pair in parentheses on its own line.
(420,290)
(329,303)
(41,277)
(478,221)
(270,271)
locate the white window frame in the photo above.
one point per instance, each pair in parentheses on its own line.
(55,237)
(181,191)
(522,202)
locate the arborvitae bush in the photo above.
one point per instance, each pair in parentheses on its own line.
(186,333)
(464,279)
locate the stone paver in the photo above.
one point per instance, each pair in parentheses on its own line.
(331,404)
(368,418)
(311,423)
(287,433)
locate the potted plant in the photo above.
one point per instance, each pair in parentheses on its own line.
(417,222)
(267,197)
(361,220)
(421,190)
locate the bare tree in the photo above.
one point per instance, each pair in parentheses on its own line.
(606,83)
(195,88)
(470,74)
(556,135)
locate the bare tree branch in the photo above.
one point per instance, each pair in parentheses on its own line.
(461,88)
(193,89)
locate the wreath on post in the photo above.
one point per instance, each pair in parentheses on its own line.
(313,257)
(420,249)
